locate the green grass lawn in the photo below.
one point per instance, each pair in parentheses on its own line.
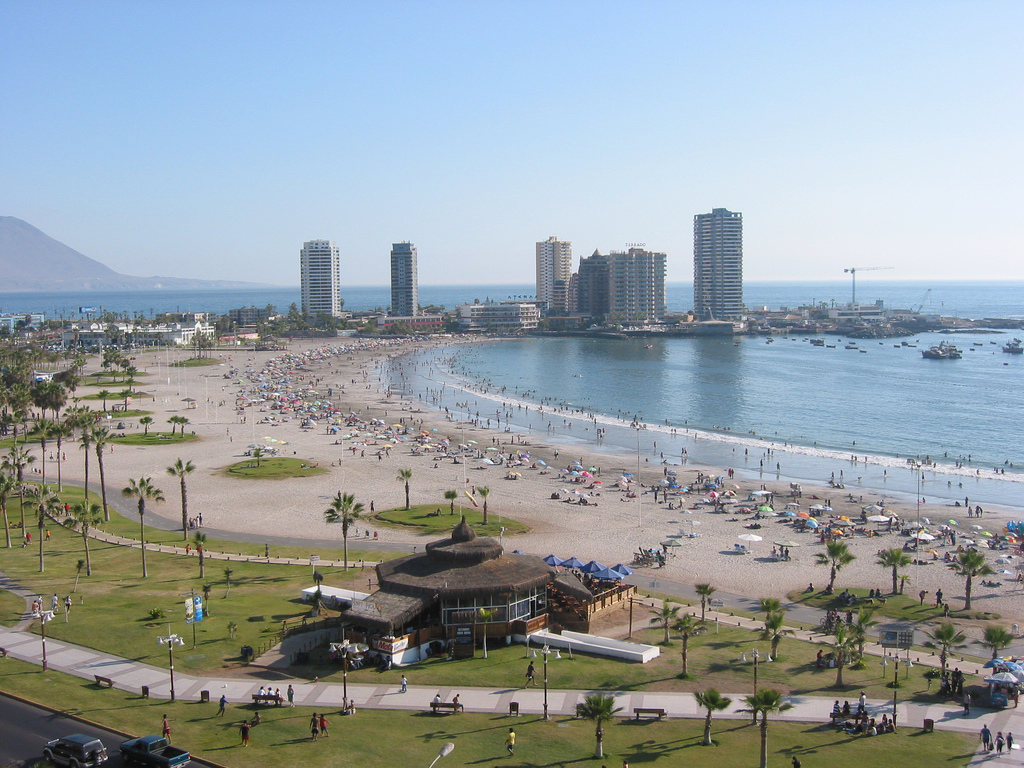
(153,438)
(11,608)
(273,468)
(422,517)
(900,607)
(194,362)
(382,737)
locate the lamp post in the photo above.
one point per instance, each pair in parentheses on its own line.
(170,641)
(908,664)
(547,652)
(43,616)
(343,648)
(756,656)
(446,749)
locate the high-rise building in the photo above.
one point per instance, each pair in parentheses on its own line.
(405,290)
(554,268)
(592,285)
(637,284)
(320,278)
(718,265)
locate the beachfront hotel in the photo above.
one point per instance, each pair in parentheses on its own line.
(718,265)
(636,287)
(554,270)
(405,287)
(320,278)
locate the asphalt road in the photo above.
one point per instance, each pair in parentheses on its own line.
(24,730)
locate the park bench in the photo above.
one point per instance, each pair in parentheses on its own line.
(104,681)
(267,698)
(436,705)
(655,711)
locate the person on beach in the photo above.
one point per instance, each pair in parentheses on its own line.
(314,726)
(222,705)
(531,670)
(244,732)
(510,742)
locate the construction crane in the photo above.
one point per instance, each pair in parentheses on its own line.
(924,299)
(853,274)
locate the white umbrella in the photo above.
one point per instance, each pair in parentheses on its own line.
(749,537)
(924,536)
(976,528)
(878,519)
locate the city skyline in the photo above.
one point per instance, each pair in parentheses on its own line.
(163,139)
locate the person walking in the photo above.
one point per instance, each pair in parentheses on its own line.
(1009,742)
(314,726)
(223,705)
(405,685)
(291,696)
(510,742)
(796,762)
(244,731)
(166,729)
(323,726)
(531,672)
(986,738)
(1000,741)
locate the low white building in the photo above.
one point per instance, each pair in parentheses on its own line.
(100,334)
(499,317)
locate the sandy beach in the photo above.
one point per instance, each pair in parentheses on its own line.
(610,529)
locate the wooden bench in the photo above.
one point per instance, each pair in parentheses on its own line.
(436,705)
(104,681)
(638,711)
(267,698)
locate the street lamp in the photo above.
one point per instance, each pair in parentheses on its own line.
(343,648)
(170,641)
(756,656)
(908,664)
(547,652)
(43,616)
(446,749)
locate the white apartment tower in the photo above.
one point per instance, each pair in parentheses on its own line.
(554,269)
(718,265)
(405,290)
(320,278)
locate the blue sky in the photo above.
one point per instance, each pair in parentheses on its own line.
(210,139)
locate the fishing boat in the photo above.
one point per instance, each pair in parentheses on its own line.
(1014,347)
(944,351)
(818,342)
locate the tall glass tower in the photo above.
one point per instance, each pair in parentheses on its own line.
(405,289)
(718,265)
(320,278)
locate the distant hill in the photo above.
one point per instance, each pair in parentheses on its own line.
(31,260)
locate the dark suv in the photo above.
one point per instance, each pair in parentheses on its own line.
(76,751)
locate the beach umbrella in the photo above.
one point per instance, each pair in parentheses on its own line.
(573,562)
(765,508)
(517,552)
(761,493)
(790,513)
(1003,560)
(787,544)
(749,537)
(951,521)
(812,523)
(671,543)
(975,527)
(878,519)
(993,663)
(922,536)
(793,505)
(539,461)
(1004,678)
(840,523)
(553,561)
(1005,572)
(593,567)
(803,514)
(607,574)
(625,570)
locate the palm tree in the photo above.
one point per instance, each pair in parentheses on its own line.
(44,430)
(199,540)
(687,626)
(86,514)
(599,707)
(451,496)
(60,431)
(485,615)
(770,605)
(859,629)
(257,453)
(145,421)
(100,440)
(78,573)
(126,395)
(775,629)
(183,421)
(897,560)
(47,502)
(142,490)
(8,485)
(180,469)
(404,476)
(969,564)
(228,572)
(704,591)
(836,554)
(344,509)
(842,645)
(16,460)
(207,589)
(995,639)
(712,701)
(765,702)
(945,637)
(665,616)
(104,395)
(85,444)
(484,492)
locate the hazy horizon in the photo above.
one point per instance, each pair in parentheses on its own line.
(214,139)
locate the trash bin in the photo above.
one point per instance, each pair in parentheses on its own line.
(929,725)
(513,708)
(247,652)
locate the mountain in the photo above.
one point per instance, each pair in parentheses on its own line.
(31,260)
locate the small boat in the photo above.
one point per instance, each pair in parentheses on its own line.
(851,345)
(1014,347)
(944,351)
(817,342)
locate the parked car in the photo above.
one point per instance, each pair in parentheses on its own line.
(153,751)
(76,751)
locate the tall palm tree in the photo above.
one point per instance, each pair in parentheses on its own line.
(199,542)
(404,476)
(78,573)
(969,564)
(16,460)
(601,709)
(775,629)
(142,490)
(897,560)
(60,431)
(766,702)
(664,617)
(145,421)
(484,492)
(837,554)
(995,639)
(344,509)
(47,502)
(770,605)
(704,591)
(104,395)
(86,514)
(843,646)
(712,701)
(85,444)
(451,496)
(687,626)
(100,440)
(8,485)
(945,637)
(228,573)
(860,628)
(44,430)
(180,469)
